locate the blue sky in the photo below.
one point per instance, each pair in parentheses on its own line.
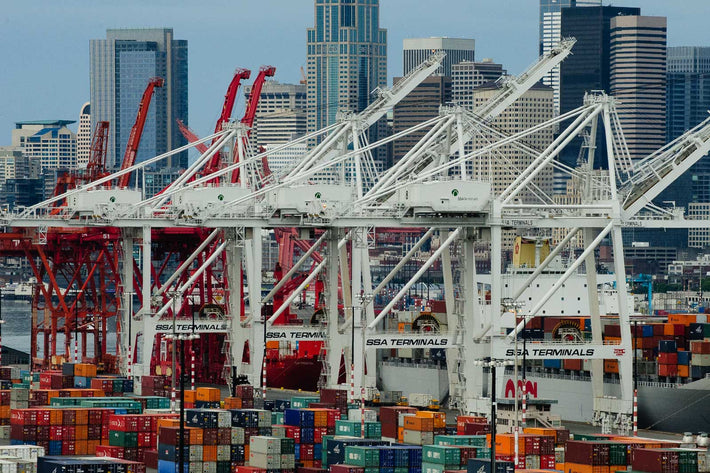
(44,44)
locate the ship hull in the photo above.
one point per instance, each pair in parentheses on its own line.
(293,373)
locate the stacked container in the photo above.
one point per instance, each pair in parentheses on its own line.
(334,448)
(130,436)
(71,431)
(155,386)
(419,428)
(390,421)
(337,398)
(472,425)
(272,453)
(700,358)
(51,464)
(244,398)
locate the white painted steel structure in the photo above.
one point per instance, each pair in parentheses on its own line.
(337,190)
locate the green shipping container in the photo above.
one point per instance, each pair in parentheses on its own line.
(441,455)
(347,427)
(373,430)
(362,456)
(288,446)
(434,467)
(116,438)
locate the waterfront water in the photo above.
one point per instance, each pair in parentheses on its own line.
(16,329)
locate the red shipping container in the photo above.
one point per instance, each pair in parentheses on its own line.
(109,451)
(668,358)
(667,370)
(150,458)
(318,434)
(346,469)
(547,462)
(303,469)
(585,453)
(68,448)
(307,451)
(700,347)
(475,429)
(294,433)
(654,460)
(572,365)
(390,414)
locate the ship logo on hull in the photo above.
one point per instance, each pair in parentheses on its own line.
(530,387)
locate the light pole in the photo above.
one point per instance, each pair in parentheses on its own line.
(492,364)
(513,306)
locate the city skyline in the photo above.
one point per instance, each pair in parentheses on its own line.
(29,95)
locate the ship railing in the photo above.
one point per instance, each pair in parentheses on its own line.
(573,342)
(656,384)
(411,364)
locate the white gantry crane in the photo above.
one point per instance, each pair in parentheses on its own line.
(334,187)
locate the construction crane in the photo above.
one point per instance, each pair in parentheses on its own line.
(134,139)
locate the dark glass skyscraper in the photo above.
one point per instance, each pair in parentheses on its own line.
(550,13)
(347,60)
(121,67)
(588,67)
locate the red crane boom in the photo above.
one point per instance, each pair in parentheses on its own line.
(250,112)
(129,158)
(229,98)
(96,167)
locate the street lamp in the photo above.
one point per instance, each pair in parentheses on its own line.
(492,364)
(513,306)
(181,337)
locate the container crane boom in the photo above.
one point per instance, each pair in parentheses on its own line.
(191,136)
(96,167)
(250,112)
(134,139)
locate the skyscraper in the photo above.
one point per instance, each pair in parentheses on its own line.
(47,142)
(83,137)
(121,67)
(687,103)
(638,80)
(420,105)
(550,13)
(418,50)
(587,68)
(466,76)
(280,118)
(347,60)
(502,166)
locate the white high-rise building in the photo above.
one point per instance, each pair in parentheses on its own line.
(502,166)
(83,137)
(466,76)
(48,142)
(418,50)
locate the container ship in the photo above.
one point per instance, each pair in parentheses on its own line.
(672,353)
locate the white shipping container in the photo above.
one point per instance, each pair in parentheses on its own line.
(19,405)
(7,466)
(195,466)
(697,359)
(264,460)
(414,437)
(224,419)
(264,444)
(420,400)
(19,394)
(237,436)
(5,432)
(288,461)
(25,452)
(532,462)
(223,453)
(370,415)
(559,454)
(209,467)
(701,319)
(195,453)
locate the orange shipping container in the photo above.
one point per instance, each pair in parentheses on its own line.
(684,319)
(209,453)
(439,418)
(580,468)
(232,403)
(611,366)
(208,394)
(505,444)
(683,371)
(190,395)
(421,424)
